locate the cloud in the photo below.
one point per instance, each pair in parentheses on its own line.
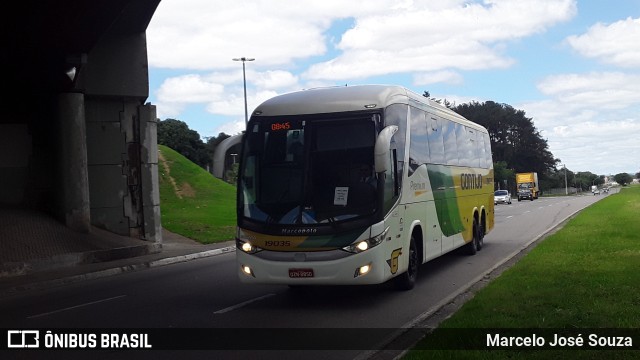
(609,90)
(188,89)
(590,120)
(206,35)
(176,93)
(604,147)
(389,36)
(233,104)
(446,76)
(276,79)
(221,92)
(232,127)
(425,38)
(615,44)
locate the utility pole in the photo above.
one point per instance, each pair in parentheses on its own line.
(244,82)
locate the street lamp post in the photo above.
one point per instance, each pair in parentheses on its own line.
(244,82)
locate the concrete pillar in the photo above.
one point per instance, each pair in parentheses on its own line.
(75,179)
(149,173)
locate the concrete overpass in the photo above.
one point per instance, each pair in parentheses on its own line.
(77,138)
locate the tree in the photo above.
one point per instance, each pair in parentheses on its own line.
(177,135)
(555,179)
(514,138)
(584,180)
(623,178)
(503,176)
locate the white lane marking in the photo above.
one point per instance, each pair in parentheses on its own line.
(75,307)
(237,306)
(509,217)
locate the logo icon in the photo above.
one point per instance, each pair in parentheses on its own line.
(23,339)
(393,262)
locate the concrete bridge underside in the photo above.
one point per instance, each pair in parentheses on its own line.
(77,138)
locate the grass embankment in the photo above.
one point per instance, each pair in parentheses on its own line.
(585,276)
(193,203)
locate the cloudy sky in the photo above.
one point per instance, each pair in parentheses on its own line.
(572,66)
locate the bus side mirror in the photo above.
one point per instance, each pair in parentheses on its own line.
(382,147)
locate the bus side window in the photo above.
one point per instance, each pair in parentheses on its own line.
(436,142)
(487,153)
(474,155)
(467,146)
(482,151)
(450,142)
(419,145)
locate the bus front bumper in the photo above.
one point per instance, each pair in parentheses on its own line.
(369,267)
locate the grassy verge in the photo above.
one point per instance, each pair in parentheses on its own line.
(193,203)
(585,276)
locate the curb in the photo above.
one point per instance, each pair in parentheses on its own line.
(182,258)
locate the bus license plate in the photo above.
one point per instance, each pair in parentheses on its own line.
(300,273)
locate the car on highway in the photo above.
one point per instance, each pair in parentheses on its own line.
(502,197)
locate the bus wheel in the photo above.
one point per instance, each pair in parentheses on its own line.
(480,237)
(472,246)
(407,280)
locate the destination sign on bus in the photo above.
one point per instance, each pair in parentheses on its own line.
(278,126)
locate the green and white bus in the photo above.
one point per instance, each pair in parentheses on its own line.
(358,185)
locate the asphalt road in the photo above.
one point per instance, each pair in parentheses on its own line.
(239,320)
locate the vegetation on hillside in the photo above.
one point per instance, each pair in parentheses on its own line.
(178,136)
(193,203)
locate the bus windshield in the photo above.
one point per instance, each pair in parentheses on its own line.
(301,170)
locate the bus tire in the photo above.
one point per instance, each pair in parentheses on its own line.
(472,246)
(407,280)
(480,237)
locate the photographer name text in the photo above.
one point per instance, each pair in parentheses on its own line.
(560,341)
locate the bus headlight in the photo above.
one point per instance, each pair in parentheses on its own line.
(246,246)
(247,270)
(364,245)
(362,270)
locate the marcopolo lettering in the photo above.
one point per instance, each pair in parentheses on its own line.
(302,231)
(470,181)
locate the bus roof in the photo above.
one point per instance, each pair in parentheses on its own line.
(350,98)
